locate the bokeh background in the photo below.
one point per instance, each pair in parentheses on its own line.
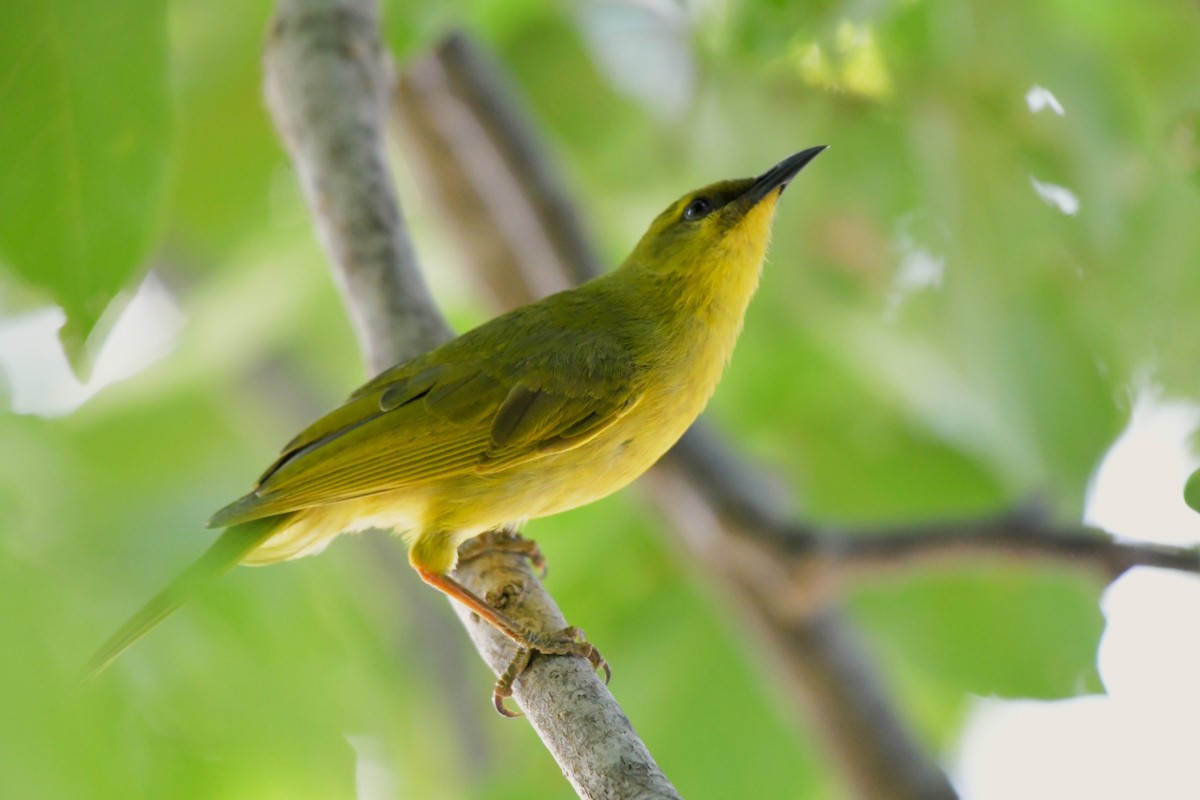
(983,295)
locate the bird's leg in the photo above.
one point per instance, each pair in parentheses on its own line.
(569,641)
(504,540)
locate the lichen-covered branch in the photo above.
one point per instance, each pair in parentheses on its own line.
(573,712)
(328,84)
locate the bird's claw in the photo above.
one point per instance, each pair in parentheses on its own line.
(504,686)
(570,641)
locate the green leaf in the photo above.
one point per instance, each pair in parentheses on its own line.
(1012,631)
(83,149)
(1191,491)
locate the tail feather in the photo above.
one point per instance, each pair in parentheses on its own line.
(224,554)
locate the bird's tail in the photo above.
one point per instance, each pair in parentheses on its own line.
(224,554)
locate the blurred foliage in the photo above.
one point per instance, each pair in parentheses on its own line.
(83,150)
(933,339)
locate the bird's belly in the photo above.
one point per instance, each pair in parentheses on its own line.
(309,531)
(566,480)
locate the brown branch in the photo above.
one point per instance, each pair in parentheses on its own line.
(828,556)
(328,83)
(481,163)
(457,112)
(1021,537)
(479,80)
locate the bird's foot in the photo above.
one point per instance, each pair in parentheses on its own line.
(569,641)
(504,540)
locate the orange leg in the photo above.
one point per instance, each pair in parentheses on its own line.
(567,642)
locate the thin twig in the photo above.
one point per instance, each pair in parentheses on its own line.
(1023,537)
(328,84)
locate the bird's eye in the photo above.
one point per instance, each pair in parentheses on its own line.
(698,209)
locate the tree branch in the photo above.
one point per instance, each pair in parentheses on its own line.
(1023,537)
(824,557)
(814,650)
(328,83)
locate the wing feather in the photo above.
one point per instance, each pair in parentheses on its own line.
(494,398)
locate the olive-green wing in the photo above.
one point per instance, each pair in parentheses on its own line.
(533,422)
(378,440)
(426,423)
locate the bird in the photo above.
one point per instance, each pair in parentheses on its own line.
(545,408)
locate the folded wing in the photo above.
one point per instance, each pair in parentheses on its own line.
(445,415)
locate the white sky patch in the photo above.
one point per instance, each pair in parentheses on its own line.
(1059,197)
(37,374)
(1139,739)
(1039,98)
(1138,490)
(1150,653)
(1099,748)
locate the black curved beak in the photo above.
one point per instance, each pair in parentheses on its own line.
(778,176)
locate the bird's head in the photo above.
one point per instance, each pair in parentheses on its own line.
(724,224)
